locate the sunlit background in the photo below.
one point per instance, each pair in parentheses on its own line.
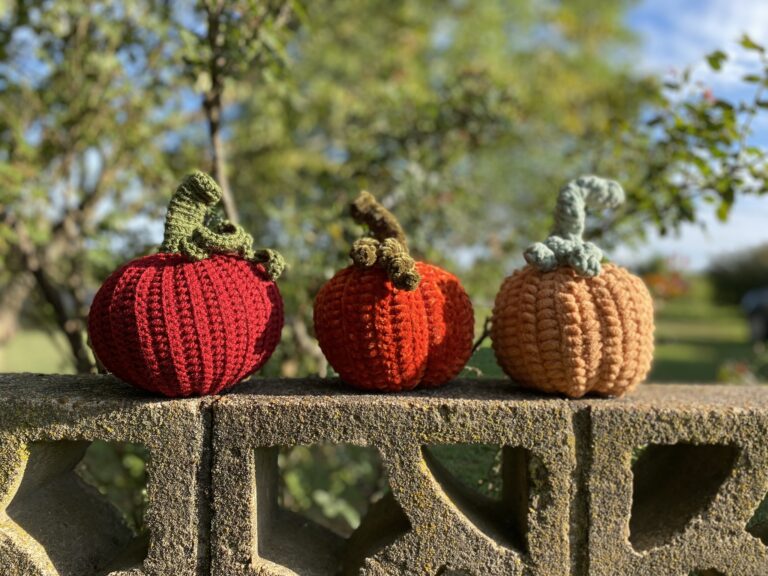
(463,117)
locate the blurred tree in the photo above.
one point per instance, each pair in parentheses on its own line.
(81,144)
(94,129)
(466,118)
(463,117)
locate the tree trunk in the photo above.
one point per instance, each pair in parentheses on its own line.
(11,303)
(213,107)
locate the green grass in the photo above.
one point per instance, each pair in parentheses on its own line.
(35,351)
(694,338)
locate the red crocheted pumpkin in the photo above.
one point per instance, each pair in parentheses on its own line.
(197,317)
(388,323)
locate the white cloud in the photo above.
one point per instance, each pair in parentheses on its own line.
(680,34)
(696,246)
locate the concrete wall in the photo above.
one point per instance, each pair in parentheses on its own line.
(664,482)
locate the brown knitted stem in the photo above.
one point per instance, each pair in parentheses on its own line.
(381,222)
(388,248)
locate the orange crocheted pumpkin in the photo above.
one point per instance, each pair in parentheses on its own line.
(389,323)
(567,324)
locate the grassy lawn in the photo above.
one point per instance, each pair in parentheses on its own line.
(35,351)
(694,337)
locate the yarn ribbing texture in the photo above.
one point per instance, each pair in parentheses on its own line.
(197,317)
(560,332)
(566,323)
(181,328)
(379,337)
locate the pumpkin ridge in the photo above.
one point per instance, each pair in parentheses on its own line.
(648,328)
(644,311)
(239,348)
(627,307)
(255,296)
(548,335)
(533,361)
(590,328)
(612,335)
(188,334)
(408,348)
(571,337)
(199,324)
(101,323)
(527,348)
(170,325)
(446,360)
(347,314)
(518,342)
(160,345)
(428,291)
(242,279)
(514,341)
(214,311)
(142,297)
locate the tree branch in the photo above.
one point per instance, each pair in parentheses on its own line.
(213,107)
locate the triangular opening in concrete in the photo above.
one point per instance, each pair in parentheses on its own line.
(492,486)
(81,504)
(672,485)
(322,509)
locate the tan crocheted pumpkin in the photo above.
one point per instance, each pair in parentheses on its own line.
(567,324)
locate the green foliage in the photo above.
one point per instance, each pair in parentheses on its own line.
(118,471)
(464,118)
(332,485)
(733,275)
(476,466)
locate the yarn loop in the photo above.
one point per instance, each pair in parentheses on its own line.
(388,248)
(193,227)
(566,246)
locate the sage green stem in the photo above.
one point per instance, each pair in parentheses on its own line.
(193,228)
(388,248)
(566,245)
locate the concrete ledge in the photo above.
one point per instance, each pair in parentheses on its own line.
(440,528)
(53,524)
(700,473)
(663,482)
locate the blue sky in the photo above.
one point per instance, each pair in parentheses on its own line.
(677,34)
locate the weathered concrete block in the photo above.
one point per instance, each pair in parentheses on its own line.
(429,525)
(53,524)
(676,474)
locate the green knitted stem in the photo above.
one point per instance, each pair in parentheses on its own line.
(388,248)
(273,262)
(566,245)
(187,209)
(193,228)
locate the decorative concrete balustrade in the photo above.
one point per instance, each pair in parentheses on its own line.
(666,481)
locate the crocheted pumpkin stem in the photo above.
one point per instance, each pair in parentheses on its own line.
(566,245)
(193,228)
(388,247)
